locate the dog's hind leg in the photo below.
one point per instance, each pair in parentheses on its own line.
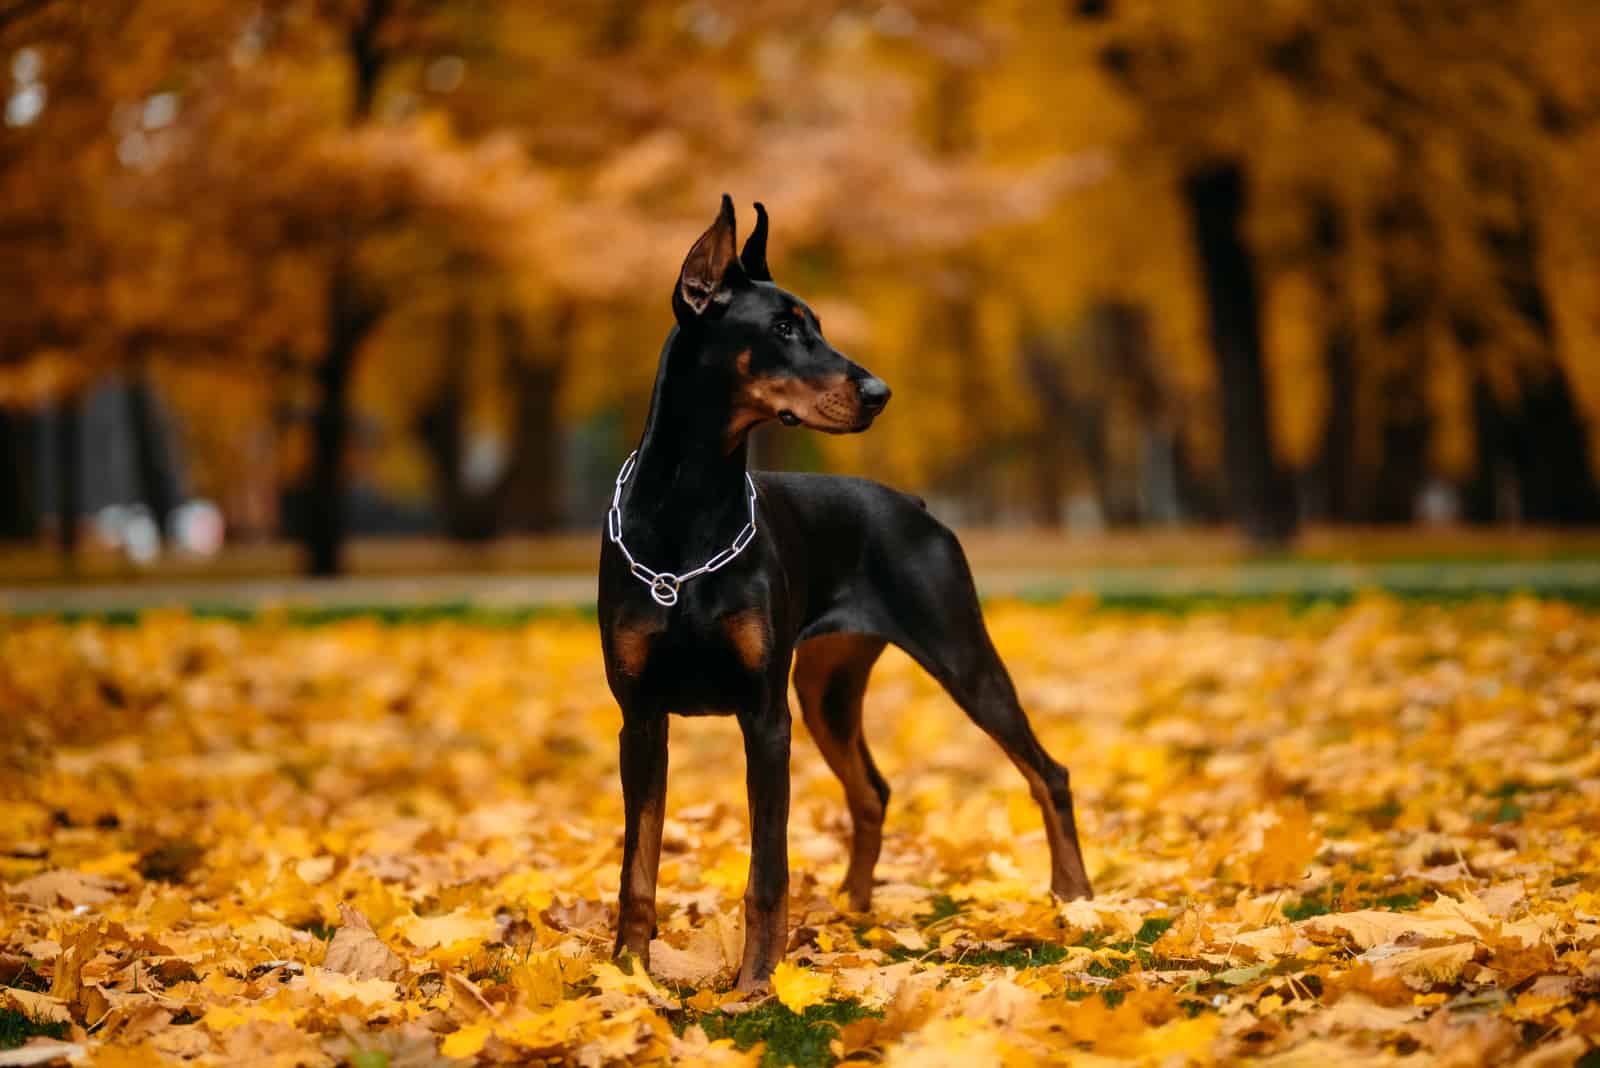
(984,691)
(830,677)
(930,608)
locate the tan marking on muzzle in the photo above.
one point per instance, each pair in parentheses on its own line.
(829,403)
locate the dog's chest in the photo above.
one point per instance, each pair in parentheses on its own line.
(691,658)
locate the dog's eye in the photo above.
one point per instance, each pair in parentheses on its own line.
(783,328)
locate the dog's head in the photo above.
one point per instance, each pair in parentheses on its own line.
(770,342)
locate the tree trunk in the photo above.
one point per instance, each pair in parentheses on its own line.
(532,494)
(1041,362)
(1558,485)
(1333,485)
(351,317)
(322,523)
(464,514)
(19,501)
(1533,460)
(69,474)
(152,464)
(1533,452)
(1553,471)
(1262,498)
(1405,467)
(1337,474)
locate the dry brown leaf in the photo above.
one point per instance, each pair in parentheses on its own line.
(73,888)
(699,961)
(34,1005)
(357,951)
(1376,927)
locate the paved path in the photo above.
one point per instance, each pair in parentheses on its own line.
(1569,578)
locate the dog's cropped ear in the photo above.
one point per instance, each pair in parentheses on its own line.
(754,256)
(711,271)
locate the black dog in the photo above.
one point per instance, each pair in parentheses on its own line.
(760,569)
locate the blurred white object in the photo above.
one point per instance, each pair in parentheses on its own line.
(131,528)
(141,538)
(1439,504)
(198,527)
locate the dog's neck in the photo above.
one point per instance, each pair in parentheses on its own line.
(686,469)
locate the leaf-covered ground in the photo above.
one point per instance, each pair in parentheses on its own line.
(1357,835)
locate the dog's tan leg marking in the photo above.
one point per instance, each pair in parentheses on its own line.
(630,645)
(747,631)
(830,677)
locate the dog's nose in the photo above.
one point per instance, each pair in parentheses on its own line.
(874,394)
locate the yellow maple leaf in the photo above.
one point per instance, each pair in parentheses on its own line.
(467,1041)
(800,988)
(1287,846)
(432,932)
(1191,1039)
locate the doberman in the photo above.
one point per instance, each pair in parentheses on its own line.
(769,567)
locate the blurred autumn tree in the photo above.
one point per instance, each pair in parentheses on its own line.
(1296,257)
(1397,186)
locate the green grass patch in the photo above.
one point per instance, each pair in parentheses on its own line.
(1151,930)
(791,1038)
(1323,902)
(942,907)
(1308,907)
(17,1027)
(1024,955)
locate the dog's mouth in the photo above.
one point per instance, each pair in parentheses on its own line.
(837,406)
(830,419)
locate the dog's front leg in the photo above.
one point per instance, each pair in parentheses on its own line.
(766,895)
(644,792)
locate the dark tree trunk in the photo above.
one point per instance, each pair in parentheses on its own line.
(1405,466)
(1041,361)
(69,473)
(350,318)
(152,465)
(1333,483)
(367,57)
(1262,498)
(464,515)
(19,498)
(1533,454)
(1558,485)
(1552,457)
(1337,473)
(973,476)
(1480,497)
(533,490)
(1533,460)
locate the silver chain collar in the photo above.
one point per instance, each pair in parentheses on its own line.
(664,584)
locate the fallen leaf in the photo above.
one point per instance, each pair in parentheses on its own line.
(799,988)
(357,951)
(73,888)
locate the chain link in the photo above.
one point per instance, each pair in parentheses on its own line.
(664,585)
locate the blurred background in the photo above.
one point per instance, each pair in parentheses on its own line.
(314,285)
